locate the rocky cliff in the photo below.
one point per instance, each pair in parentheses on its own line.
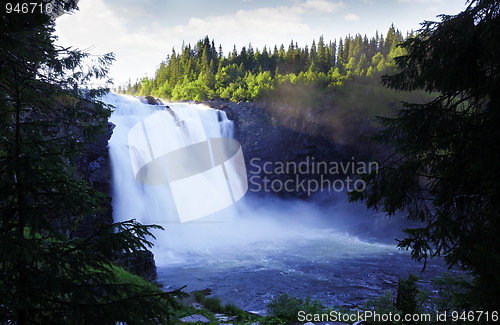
(95,167)
(286,145)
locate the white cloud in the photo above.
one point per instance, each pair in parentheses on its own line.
(140,50)
(351,17)
(423,1)
(431,5)
(244,26)
(99,28)
(322,5)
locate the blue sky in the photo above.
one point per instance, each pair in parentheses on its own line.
(142,33)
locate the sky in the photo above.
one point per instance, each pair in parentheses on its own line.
(143,33)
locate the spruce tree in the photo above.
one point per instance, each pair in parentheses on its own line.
(48,274)
(444,170)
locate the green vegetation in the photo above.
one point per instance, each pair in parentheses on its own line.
(213,304)
(52,272)
(202,72)
(447,297)
(452,293)
(444,171)
(444,295)
(285,308)
(406,299)
(384,304)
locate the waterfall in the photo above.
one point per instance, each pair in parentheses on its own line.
(174,163)
(177,166)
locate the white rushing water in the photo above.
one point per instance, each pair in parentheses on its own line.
(271,224)
(256,239)
(182,158)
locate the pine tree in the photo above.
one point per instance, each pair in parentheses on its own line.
(340,56)
(332,54)
(250,58)
(444,171)
(347,49)
(48,274)
(290,54)
(322,55)
(313,55)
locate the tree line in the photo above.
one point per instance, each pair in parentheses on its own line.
(443,172)
(52,272)
(203,72)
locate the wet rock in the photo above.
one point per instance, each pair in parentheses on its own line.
(224,318)
(194,319)
(272,134)
(151,100)
(258,312)
(141,263)
(206,291)
(94,165)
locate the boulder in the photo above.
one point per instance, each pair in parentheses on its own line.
(153,101)
(195,319)
(141,263)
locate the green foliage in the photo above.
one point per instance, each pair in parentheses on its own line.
(213,304)
(233,310)
(199,296)
(406,299)
(449,294)
(202,73)
(50,273)
(452,292)
(384,304)
(286,307)
(443,172)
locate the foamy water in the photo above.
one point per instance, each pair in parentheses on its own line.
(254,249)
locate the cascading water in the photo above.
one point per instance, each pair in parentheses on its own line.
(247,252)
(160,146)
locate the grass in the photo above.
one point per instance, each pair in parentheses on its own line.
(284,309)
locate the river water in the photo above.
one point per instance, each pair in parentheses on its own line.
(257,248)
(268,252)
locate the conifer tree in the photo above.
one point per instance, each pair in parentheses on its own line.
(322,55)
(340,56)
(444,170)
(48,274)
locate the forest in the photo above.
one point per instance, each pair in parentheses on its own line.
(203,72)
(61,252)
